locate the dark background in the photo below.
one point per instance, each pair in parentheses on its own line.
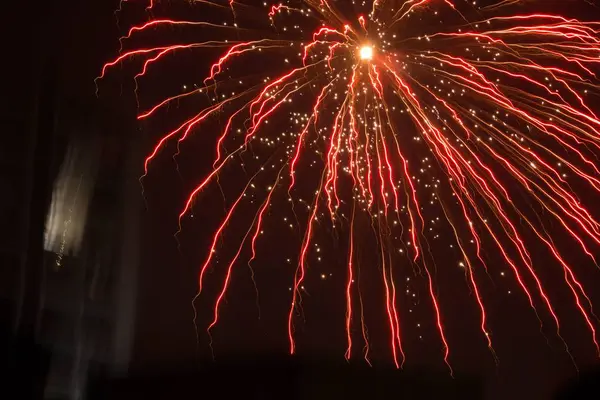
(54,51)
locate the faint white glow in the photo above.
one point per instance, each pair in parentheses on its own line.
(366,53)
(65,222)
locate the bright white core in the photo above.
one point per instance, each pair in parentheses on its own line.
(366,53)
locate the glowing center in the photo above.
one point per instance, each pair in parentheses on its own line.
(366,53)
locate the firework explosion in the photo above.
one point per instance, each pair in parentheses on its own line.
(362,119)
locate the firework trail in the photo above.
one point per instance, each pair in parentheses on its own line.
(388,120)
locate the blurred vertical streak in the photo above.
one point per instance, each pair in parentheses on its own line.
(126,291)
(32,149)
(37,194)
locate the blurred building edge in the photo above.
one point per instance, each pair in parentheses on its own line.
(88,290)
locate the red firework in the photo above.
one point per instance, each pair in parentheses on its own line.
(499,99)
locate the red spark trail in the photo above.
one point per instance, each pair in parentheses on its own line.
(349,283)
(188,125)
(391,310)
(301,271)
(256,221)
(233,51)
(216,237)
(471,277)
(259,219)
(363,23)
(158,22)
(395,312)
(314,116)
(364,330)
(438,318)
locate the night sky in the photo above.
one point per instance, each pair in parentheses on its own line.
(532,362)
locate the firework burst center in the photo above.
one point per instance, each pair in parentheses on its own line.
(366,52)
